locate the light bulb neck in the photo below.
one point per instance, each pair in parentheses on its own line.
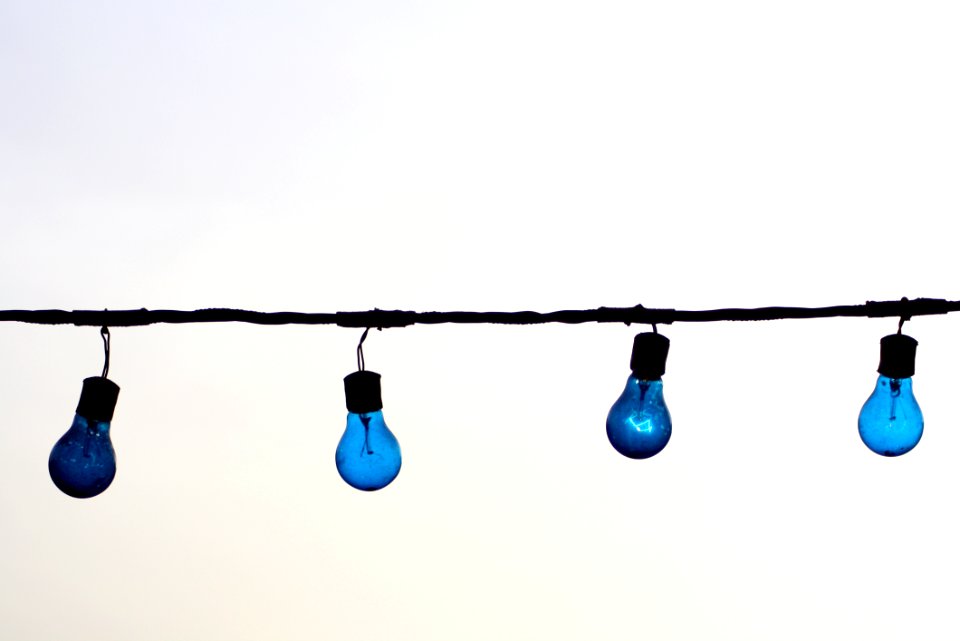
(98,399)
(362,390)
(649,359)
(898,355)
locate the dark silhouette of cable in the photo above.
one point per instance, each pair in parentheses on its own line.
(904,309)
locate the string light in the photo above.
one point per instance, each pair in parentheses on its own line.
(368,454)
(891,422)
(639,424)
(82,463)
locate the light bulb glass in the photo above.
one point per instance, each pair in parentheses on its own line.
(368,455)
(639,424)
(890,422)
(82,463)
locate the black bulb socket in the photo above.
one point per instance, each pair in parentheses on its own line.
(363,392)
(649,359)
(898,356)
(98,399)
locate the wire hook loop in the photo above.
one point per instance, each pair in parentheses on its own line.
(105,335)
(904,317)
(361,363)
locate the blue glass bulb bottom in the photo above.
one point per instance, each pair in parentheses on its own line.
(639,424)
(82,463)
(891,422)
(368,455)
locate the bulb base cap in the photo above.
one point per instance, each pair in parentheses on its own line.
(898,354)
(98,399)
(649,359)
(363,392)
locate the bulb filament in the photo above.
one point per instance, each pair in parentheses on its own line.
(366,435)
(894,395)
(644,386)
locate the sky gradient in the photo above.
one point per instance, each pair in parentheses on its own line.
(339,156)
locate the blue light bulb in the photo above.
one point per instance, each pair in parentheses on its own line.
(82,463)
(368,455)
(639,425)
(891,422)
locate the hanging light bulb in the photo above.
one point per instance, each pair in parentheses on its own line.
(82,463)
(891,422)
(368,455)
(639,424)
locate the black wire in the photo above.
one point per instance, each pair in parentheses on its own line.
(398,318)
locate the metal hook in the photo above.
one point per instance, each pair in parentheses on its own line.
(904,318)
(105,335)
(361,364)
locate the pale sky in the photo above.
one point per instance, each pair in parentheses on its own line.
(327,156)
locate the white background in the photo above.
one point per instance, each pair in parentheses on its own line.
(489,155)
